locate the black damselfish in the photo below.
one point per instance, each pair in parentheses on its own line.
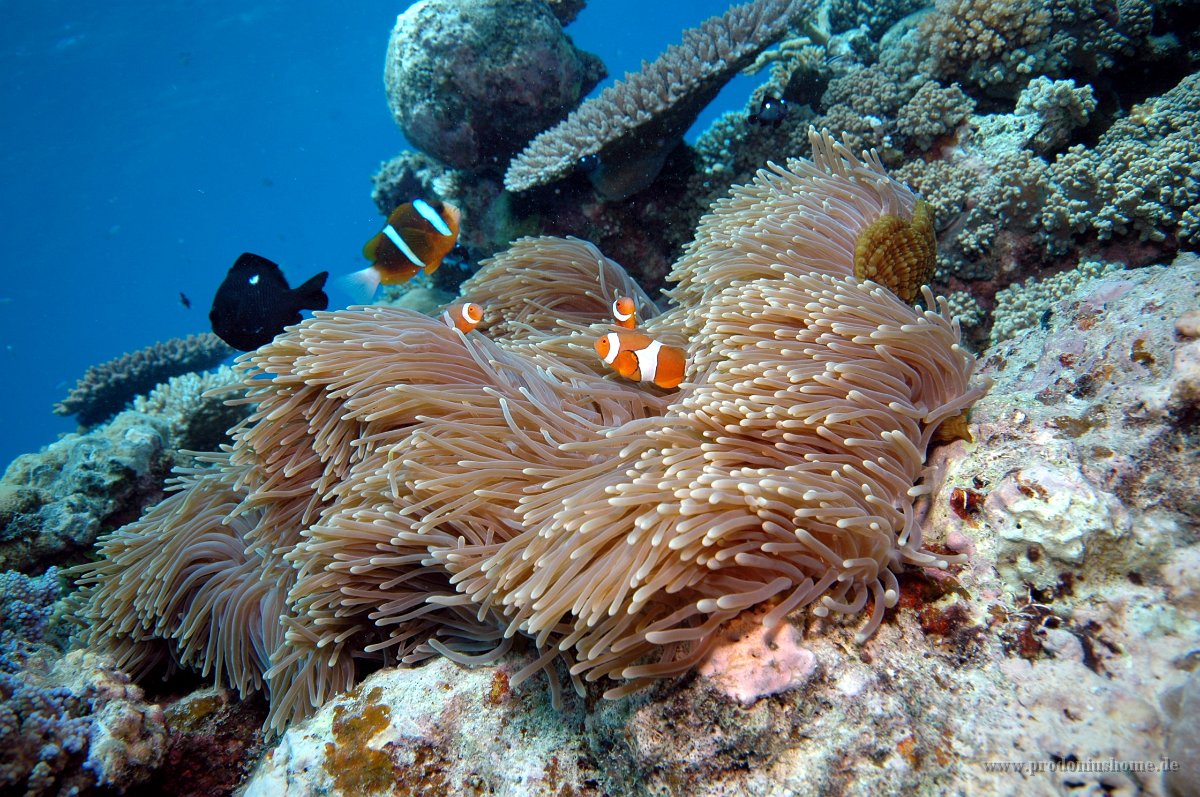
(254,303)
(771,112)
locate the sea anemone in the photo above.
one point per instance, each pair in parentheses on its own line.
(403,490)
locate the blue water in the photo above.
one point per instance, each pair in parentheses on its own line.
(143,146)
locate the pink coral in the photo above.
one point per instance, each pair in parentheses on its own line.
(755,661)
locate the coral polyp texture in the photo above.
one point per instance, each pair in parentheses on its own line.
(634,124)
(403,490)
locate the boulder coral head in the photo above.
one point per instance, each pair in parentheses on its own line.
(404,490)
(469,81)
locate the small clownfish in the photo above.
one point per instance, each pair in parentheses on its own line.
(417,236)
(463,316)
(641,358)
(625,312)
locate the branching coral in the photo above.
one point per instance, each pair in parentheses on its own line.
(1143,175)
(404,490)
(634,124)
(999,46)
(105,388)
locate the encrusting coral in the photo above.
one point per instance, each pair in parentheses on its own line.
(403,490)
(634,124)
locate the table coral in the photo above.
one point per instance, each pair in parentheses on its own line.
(403,490)
(633,125)
(106,388)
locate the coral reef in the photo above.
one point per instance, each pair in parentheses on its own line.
(1042,135)
(1022,306)
(645,235)
(438,729)
(196,408)
(75,724)
(212,739)
(983,680)
(1032,129)
(998,46)
(1115,377)
(402,490)
(1142,177)
(27,603)
(565,11)
(470,81)
(54,503)
(105,389)
(633,125)
(1182,705)
(872,16)
(1049,111)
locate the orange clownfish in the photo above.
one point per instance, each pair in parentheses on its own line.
(463,316)
(625,312)
(641,358)
(417,236)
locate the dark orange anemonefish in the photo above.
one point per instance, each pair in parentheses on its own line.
(463,316)
(625,312)
(642,358)
(418,235)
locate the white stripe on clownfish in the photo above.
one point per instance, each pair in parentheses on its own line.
(626,318)
(464,317)
(648,360)
(639,357)
(430,215)
(404,248)
(614,347)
